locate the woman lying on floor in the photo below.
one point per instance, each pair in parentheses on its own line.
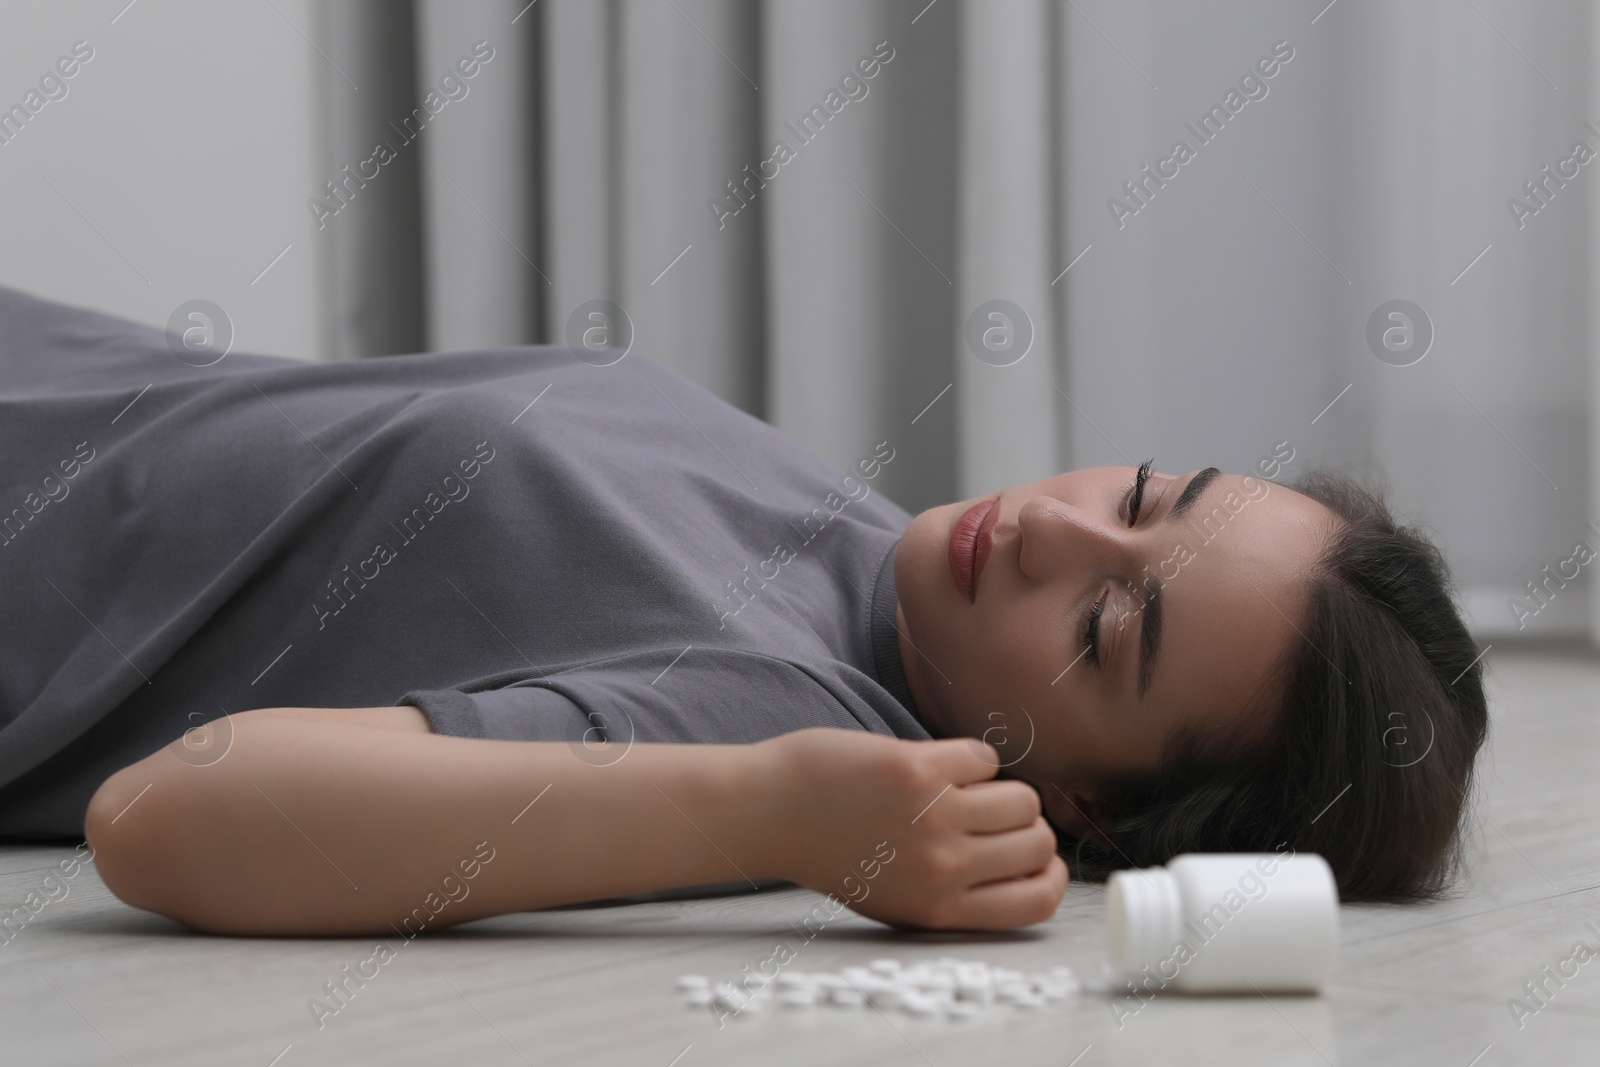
(325,648)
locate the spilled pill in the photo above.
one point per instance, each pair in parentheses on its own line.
(953,988)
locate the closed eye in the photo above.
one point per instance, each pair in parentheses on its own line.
(1136,494)
(1091,632)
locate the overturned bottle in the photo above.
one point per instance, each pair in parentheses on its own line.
(1225,923)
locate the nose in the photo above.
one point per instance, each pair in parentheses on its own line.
(1057,536)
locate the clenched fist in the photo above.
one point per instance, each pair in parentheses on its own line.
(913,833)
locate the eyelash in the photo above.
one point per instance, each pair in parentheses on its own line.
(1134,495)
(1091,632)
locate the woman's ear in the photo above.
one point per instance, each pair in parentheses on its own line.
(1079,813)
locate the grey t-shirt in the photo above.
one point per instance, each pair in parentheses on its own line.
(525,545)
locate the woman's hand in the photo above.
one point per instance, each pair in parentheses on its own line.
(913,833)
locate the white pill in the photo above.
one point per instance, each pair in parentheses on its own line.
(886,966)
(885,996)
(1028,1000)
(831,981)
(798,998)
(693,981)
(698,998)
(867,985)
(979,992)
(857,974)
(919,1004)
(847,998)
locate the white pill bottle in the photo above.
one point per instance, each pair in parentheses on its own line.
(1225,923)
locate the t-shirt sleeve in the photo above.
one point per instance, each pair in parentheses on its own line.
(694,695)
(517,713)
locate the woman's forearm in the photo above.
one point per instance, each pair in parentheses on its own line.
(308,827)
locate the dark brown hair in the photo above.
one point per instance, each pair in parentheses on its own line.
(1370,762)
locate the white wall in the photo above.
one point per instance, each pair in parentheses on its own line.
(185,147)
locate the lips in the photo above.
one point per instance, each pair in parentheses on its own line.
(970,545)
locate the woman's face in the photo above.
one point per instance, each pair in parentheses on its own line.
(1103,618)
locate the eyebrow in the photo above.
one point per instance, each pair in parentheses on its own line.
(1151,614)
(1192,491)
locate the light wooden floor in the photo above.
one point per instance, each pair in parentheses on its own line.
(90,981)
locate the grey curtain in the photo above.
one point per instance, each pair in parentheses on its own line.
(624,151)
(847,287)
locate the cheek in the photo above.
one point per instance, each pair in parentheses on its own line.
(1038,633)
(999,670)
(1078,738)
(1016,654)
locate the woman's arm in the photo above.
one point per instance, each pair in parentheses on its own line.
(321,821)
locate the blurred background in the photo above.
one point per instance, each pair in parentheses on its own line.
(966,227)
